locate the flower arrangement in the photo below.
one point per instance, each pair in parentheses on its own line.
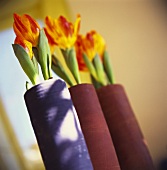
(93,57)
(31,47)
(35,45)
(51,105)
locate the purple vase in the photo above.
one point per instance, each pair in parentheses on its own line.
(56,126)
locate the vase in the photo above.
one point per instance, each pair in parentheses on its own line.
(56,127)
(94,127)
(131,148)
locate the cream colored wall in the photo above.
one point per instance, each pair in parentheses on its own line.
(136,36)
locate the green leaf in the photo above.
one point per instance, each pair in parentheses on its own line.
(95,83)
(28,86)
(65,54)
(90,66)
(99,69)
(34,60)
(58,69)
(72,64)
(44,55)
(35,51)
(26,63)
(107,67)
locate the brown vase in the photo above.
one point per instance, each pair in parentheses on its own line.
(130,145)
(94,127)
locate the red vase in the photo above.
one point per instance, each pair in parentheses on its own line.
(94,127)
(130,145)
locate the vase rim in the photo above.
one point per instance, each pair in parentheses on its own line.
(82,84)
(42,82)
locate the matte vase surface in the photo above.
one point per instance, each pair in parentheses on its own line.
(130,145)
(56,126)
(94,127)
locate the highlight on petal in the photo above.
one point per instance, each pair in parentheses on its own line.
(25,44)
(77,25)
(26,27)
(61,32)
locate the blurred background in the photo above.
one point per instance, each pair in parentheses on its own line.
(136,35)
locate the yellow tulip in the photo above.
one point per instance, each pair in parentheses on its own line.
(60,32)
(91,44)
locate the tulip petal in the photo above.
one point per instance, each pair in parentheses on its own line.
(25,44)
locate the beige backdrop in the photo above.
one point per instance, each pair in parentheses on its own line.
(136,36)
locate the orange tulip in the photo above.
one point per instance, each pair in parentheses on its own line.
(27,28)
(91,44)
(60,32)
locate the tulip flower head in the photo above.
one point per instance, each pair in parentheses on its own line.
(92,56)
(26,27)
(91,44)
(31,45)
(62,33)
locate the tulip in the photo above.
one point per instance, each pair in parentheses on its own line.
(25,26)
(90,50)
(63,34)
(23,51)
(29,31)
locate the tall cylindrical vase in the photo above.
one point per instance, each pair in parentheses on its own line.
(56,126)
(94,127)
(130,145)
